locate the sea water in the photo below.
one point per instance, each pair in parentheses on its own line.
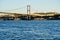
(30,30)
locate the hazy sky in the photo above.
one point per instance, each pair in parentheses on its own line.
(36,5)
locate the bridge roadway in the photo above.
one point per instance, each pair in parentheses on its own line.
(35,16)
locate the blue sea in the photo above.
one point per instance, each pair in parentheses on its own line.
(30,30)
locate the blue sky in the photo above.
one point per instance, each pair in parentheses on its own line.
(36,5)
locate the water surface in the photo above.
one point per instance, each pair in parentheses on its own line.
(30,30)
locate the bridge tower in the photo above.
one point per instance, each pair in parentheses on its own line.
(28,12)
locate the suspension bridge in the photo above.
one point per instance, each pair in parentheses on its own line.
(25,10)
(27,13)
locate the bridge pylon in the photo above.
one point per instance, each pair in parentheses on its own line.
(28,12)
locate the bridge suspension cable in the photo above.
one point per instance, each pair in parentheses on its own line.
(14,9)
(34,10)
(23,9)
